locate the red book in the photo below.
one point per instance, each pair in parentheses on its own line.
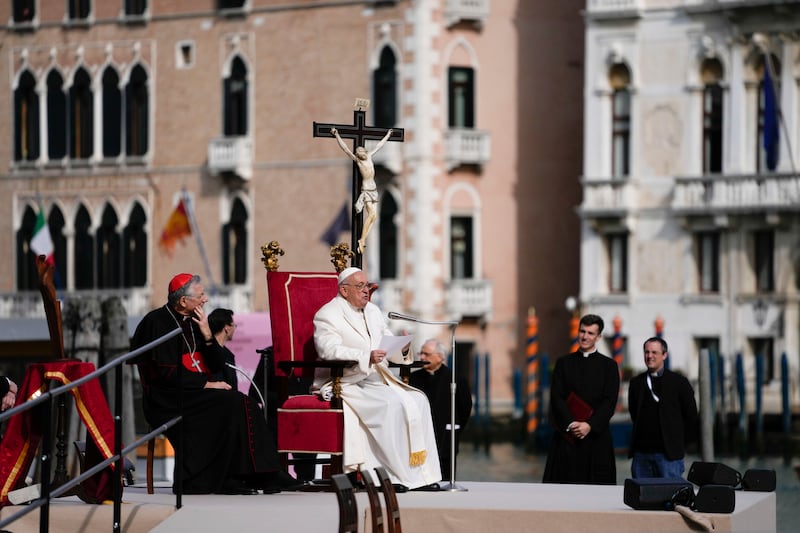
(580,411)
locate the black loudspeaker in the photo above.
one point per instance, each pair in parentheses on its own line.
(715,499)
(759,479)
(701,473)
(654,494)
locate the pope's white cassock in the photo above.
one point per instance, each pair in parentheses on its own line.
(386,422)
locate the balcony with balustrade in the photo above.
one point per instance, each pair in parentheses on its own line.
(475,11)
(613,8)
(28,304)
(606,198)
(729,195)
(232,154)
(468,298)
(465,146)
(136,301)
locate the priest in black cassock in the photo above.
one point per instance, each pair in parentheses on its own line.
(435,380)
(228,447)
(582,450)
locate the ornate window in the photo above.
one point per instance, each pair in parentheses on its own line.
(56,223)
(235,99)
(108,251)
(137,109)
(461,247)
(230,4)
(78,9)
(24,11)
(712,116)
(27,278)
(617,246)
(384,89)
(56,117)
(707,243)
(84,250)
(620,79)
(81,116)
(764,260)
(26,119)
(135,7)
(134,249)
(112,114)
(234,246)
(461,97)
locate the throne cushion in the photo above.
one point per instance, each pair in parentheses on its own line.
(306,422)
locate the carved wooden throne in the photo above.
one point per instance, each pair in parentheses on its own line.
(306,423)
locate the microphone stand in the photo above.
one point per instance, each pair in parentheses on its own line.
(451,486)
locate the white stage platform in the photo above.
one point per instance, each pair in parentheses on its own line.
(494,507)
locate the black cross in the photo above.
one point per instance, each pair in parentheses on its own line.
(359,132)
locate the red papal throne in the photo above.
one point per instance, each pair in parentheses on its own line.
(306,424)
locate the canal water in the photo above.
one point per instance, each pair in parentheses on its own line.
(507,462)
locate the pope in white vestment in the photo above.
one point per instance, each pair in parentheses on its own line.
(386,422)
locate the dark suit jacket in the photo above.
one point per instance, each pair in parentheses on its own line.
(677,411)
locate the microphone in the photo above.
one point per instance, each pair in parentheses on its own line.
(400,316)
(243,373)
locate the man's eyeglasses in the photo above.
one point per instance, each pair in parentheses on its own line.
(358,286)
(427,354)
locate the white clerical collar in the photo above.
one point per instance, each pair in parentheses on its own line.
(652,392)
(587,354)
(353,307)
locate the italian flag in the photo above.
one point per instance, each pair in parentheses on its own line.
(41,242)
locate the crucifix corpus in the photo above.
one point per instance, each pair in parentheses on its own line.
(365,194)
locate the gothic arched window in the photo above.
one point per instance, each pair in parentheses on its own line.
(134,249)
(112,114)
(26,119)
(27,278)
(84,250)
(81,115)
(384,89)
(235,99)
(109,259)
(137,109)
(56,117)
(234,246)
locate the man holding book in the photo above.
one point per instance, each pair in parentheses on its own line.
(583,397)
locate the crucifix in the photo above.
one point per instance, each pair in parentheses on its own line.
(365,195)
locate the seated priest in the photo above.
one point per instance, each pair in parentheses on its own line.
(386,422)
(228,446)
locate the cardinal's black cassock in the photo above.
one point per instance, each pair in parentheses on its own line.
(226,438)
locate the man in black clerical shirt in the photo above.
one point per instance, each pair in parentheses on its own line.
(434,380)
(220,320)
(582,450)
(664,415)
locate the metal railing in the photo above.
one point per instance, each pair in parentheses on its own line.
(47,494)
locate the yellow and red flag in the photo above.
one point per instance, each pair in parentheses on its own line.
(176,230)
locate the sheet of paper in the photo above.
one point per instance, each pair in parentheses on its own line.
(393,345)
